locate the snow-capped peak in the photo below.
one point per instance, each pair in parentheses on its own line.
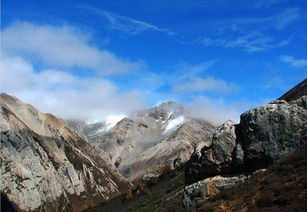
(173,124)
(112,120)
(105,126)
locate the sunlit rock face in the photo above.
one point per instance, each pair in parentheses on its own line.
(48,167)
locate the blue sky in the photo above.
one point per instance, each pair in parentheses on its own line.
(217,57)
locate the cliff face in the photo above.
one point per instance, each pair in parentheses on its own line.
(47,167)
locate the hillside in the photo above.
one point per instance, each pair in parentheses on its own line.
(47,167)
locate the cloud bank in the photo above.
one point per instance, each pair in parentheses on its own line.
(55,86)
(64,94)
(64,47)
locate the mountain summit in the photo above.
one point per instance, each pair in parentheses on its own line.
(152,139)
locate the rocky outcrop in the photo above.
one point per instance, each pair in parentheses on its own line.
(223,156)
(269,132)
(264,135)
(47,167)
(196,193)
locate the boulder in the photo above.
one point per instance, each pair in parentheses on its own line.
(220,158)
(208,188)
(268,132)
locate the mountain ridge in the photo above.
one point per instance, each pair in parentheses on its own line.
(49,167)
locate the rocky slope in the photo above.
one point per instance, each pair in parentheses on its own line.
(152,139)
(47,167)
(281,187)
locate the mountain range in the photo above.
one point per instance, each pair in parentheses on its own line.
(52,164)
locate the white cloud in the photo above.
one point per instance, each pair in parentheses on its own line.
(295,62)
(127,24)
(62,46)
(64,94)
(208,84)
(216,110)
(189,78)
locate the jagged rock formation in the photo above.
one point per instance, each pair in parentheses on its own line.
(151,139)
(47,167)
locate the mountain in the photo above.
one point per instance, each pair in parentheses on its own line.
(45,166)
(296,92)
(258,164)
(153,139)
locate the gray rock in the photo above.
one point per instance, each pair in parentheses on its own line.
(218,158)
(208,188)
(268,132)
(301,102)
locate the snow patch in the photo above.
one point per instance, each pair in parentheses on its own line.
(112,120)
(174,124)
(109,122)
